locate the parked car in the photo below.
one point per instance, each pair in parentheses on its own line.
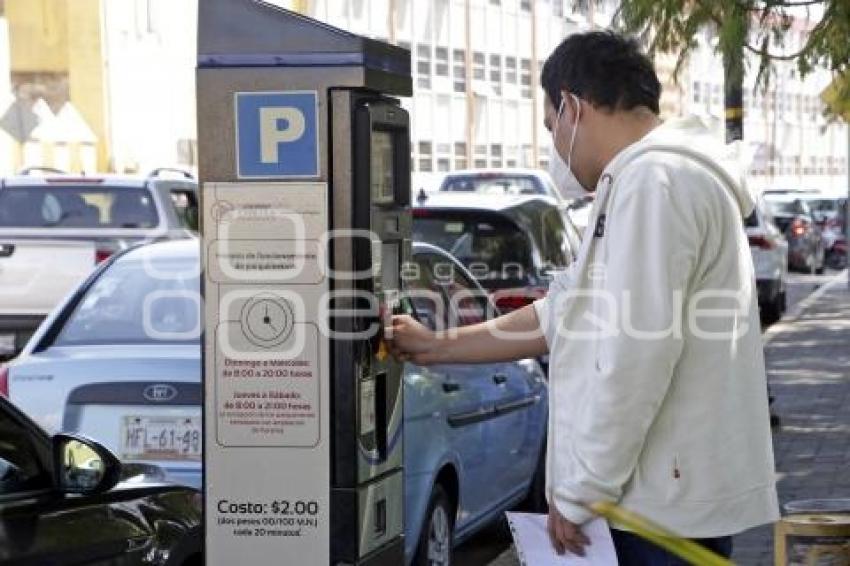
(792,215)
(67,500)
(511,181)
(830,213)
(54,228)
(474,436)
(120,360)
(512,245)
(770,260)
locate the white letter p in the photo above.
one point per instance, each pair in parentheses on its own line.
(271,135)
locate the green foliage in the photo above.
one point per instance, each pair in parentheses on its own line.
(759,27)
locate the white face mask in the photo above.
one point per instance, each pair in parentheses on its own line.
(560,170)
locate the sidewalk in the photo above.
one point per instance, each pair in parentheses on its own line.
(808,362)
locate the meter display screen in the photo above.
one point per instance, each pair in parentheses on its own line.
(382,167)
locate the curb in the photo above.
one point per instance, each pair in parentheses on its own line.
(800,308)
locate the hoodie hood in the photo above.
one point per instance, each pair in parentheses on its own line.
(691,137)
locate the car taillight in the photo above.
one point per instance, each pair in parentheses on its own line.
(513,299)
(761,242)
(102,255)
(508,303)
(4,381)
(798,227)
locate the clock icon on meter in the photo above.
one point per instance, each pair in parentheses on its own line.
(266,320)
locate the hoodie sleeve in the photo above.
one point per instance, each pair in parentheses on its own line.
(651,240)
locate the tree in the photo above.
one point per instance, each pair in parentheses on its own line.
(758,27)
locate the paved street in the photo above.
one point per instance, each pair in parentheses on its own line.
(808,363)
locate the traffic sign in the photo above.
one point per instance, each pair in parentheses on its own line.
(276,135)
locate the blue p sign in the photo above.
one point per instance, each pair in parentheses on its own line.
(276,135)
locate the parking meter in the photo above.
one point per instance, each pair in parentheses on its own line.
(304,161)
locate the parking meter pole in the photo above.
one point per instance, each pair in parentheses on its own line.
(304,164)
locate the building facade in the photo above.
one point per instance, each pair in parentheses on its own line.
(121,73)
(103,85)
(477,101)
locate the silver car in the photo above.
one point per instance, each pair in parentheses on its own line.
(770,260)
(119,360)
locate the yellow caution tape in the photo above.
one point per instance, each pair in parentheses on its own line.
(683,548)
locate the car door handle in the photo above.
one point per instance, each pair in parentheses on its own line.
(451,386)
(500,379)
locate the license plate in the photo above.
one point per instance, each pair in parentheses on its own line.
(161,438)
(7,343)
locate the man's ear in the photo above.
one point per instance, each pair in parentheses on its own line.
(572,106)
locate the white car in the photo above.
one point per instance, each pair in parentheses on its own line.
(770,260)
(119,360)
(55,227)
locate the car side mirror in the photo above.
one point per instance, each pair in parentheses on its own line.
(83,465)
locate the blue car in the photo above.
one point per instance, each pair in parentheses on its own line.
(474,436)
(119,361)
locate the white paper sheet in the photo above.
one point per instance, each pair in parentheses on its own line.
(534,548)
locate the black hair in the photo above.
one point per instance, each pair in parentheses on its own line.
(604,68)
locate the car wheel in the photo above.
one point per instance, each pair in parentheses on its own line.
(436,538)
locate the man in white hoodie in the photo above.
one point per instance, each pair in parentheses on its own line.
(657,381)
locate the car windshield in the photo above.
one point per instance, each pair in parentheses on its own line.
(823,205)
(493,185)
(71,206)
(138,301)
(495,250)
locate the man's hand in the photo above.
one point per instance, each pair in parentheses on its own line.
(409,340)
(565,536)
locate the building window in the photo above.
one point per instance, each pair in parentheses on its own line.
(459,70)
(510,70)
(496,150)
(460,149)
(697,91)
(481,149)
(423,66)
(525,77)
(480,163)
(442,65)
(715,94)
(495,2)
(478,66)
(496,73)
(443,164)
(525,5)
